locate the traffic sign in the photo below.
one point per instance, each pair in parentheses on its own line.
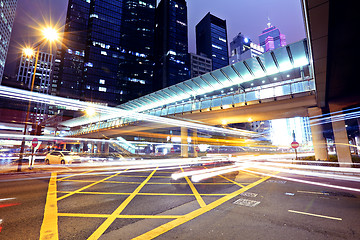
(35,142)
(294,144)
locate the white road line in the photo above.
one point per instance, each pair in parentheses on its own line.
(320,193)
(316,215)
(248,194)
(246,202)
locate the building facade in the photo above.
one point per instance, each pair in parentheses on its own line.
(199,64)
(107,56)
(136,61)
(211,39)
(70,60)
(271,38)
(242,48)
(42,81)
(7,15)
(171,43)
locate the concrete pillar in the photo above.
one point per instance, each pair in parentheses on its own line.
(184,143)
(341,137)
(92,147)
(195,142)
(106,148)
(319,142)
(98,144)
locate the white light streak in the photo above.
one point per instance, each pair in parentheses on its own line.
(111,112)
(200,177)
(305,181)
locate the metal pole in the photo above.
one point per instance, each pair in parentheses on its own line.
(28,111)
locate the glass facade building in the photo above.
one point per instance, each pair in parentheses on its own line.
(107,54)
(271,38)
(242,48)
(211,39)
(171,43)
(7,15)
(136,62)
(42,80)
(69,63)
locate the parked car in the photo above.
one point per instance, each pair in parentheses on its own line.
(62,157)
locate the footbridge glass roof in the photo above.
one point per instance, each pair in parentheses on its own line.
(279,60)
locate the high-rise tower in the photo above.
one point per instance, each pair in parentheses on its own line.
(211,39)
(7,15)
(42,80)
(108,50)
(271,38)
(171,43)
(242,48)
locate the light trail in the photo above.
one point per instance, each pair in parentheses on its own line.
(345,114)
(111,112)
(318,168)
(177,176)
(306,173)
(200,177)
(304,181)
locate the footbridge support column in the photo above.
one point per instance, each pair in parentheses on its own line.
(184,143)
(106,148)
(195,142)
(98,147)
(319,142)
(341,137)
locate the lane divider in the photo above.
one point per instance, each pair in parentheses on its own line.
(49,227)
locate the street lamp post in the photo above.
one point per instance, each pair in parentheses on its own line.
(51,35)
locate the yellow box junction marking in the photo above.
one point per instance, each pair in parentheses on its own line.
(117,212)
(315,215)
(119,216)
(170,225)
(73,175)
(195,192)
(49,227)
(90,185)
(147,194)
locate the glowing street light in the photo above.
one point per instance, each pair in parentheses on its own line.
(29,52)
(50,34)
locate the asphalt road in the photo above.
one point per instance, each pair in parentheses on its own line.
(118,204)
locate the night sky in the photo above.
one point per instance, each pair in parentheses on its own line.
(247,16)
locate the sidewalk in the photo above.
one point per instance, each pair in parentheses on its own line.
(13,169)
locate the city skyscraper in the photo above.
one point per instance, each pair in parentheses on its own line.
(7,15)
(70,60)
(107,56)
(199,64)
(171,43)
(136,61)
(42,82)
(242,48)
(271,38)
(211,39)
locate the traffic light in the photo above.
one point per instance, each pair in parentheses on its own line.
(39,130)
